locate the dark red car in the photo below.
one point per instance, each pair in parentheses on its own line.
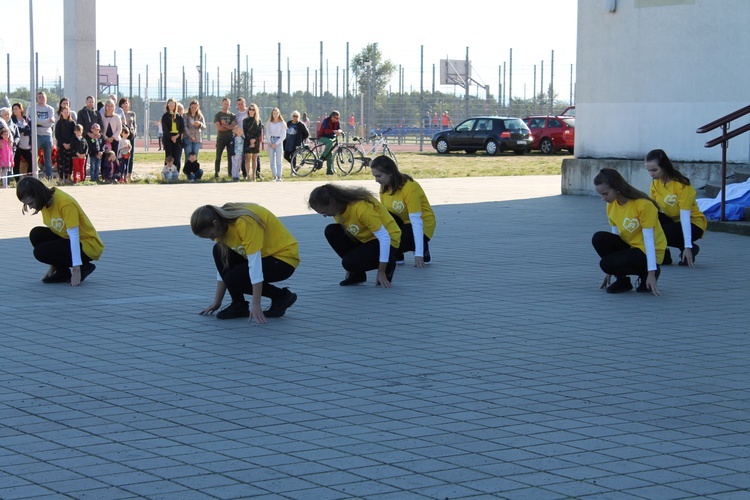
(552,133)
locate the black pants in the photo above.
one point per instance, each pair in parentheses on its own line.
(21,153)
(617,257)
(222,143)
(52,249)
(356,257)
(237,279)
(173,149)
(407,237)
(673,232)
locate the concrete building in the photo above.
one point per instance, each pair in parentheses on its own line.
(649,73)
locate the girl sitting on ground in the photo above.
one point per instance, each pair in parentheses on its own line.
(68,241)
(252,250)
(636,244)
(365,235)
(682,220)
(409,206)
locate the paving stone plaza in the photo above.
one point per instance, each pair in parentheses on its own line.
(500,371)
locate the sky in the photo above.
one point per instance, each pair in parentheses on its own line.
(406,32)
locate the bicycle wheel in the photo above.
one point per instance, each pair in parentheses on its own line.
(344,160)
(387,152)
(304,161)
(359,159)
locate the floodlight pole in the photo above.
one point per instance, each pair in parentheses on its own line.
(32,98)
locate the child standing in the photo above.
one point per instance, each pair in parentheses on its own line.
(239,152)
(169,172)
(192,168)
(123,153)
(109,166)
(79,159)
(6,155)
(95,145)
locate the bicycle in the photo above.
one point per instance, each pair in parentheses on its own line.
(365,157)
(306,160)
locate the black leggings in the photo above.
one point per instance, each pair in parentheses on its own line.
(26,155)
(52,249)
(673,232)
(617,257)
(356,257)
(237,279)
(407,237)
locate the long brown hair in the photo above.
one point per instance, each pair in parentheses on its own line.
(386,165)
(613,179)
(661,159)
(203,219)
(338,197)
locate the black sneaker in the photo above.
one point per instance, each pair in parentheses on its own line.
(281,304)
(59,276)
(696,249)
(621,285)
(427,257)
(353,279)
(235,310)
(667,258)
(642,287)
(86,269)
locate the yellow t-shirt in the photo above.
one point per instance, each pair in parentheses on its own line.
(410,199)
(245,236)
(631,218)
(361,219)
(675,196)
(64,213)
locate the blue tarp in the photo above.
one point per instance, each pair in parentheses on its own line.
(737,199)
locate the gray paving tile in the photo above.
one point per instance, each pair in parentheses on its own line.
(498,387)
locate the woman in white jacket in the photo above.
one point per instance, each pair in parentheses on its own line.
(275,133)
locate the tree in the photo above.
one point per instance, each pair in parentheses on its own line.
(369,61)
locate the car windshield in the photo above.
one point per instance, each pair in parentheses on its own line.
(466,126)
(570,122)
(515,124)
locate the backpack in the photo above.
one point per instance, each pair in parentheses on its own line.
(322,127)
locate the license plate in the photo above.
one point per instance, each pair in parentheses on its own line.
(520,142)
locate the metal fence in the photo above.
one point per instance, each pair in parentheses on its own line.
(318,78)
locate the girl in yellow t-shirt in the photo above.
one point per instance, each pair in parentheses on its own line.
(68,241)
(407,203)
(253,249)
(682,220)
(365,235)
(636,244)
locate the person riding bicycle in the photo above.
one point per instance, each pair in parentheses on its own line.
(327,132)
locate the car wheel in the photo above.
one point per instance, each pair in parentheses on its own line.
(442,146)
(546,146)
(491,147)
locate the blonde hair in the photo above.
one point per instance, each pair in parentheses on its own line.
(270,117)
(203,219)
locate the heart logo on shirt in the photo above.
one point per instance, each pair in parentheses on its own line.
(398,206)
(57,225)
(670,199)
(353,229)
(630,224)
(240,250)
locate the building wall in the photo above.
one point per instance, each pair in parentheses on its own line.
(653,71)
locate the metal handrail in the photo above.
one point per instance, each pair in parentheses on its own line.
(724,119)
(723,139)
